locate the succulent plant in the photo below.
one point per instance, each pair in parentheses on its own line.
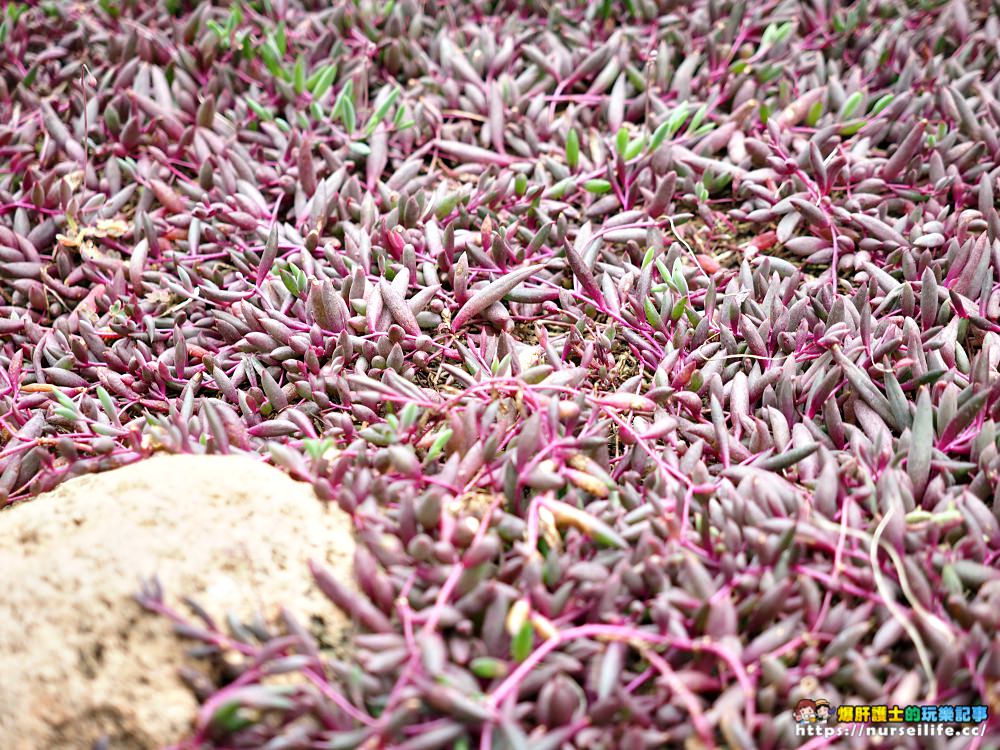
(652,347)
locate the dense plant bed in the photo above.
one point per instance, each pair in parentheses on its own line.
(653,347)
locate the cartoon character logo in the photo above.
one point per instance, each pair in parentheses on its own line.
(812,711)
(824,711)
(805,711)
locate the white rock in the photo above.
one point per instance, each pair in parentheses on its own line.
(79,658)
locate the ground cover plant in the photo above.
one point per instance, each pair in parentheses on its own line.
(653,347)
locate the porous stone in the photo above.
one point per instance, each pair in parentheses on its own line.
(79,658)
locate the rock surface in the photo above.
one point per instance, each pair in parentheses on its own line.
(79,658)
